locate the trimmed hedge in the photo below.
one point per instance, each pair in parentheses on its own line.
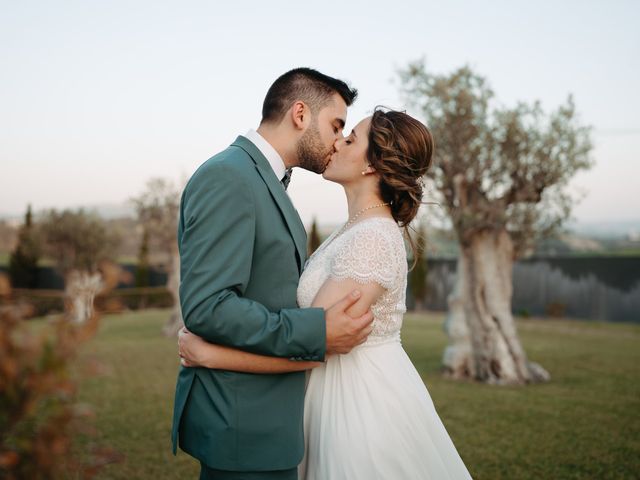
(45,302)
(134,299)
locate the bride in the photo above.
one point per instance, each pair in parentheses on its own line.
(367,414)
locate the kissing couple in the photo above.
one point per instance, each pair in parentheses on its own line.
(292,368)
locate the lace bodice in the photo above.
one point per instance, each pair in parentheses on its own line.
(372,250)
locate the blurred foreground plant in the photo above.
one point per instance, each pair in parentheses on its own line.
(41,419)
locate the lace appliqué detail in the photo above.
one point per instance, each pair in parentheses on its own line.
(370,251)
(367,256)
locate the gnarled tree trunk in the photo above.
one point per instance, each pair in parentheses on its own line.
(456,360)
(496,353)
(81,290)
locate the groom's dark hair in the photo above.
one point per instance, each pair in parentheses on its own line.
(305,84)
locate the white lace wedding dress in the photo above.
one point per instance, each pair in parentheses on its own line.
(368,414)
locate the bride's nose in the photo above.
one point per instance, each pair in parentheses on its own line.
(337,145)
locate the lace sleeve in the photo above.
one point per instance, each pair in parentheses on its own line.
(368,255)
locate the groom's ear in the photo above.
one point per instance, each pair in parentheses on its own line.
(300,115)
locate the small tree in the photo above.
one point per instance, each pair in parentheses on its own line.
(314,238)
(157,208)
(77,240)
(79,243)
(502,175)
(142,269)
(23,262)
(418,274)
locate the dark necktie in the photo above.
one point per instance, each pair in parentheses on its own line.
(286,179)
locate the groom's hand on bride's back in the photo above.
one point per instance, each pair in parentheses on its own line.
(344,331)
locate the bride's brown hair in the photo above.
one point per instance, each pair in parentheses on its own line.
(401,151)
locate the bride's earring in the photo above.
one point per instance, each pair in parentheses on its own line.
(364,172)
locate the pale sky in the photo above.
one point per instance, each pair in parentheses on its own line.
(97,97)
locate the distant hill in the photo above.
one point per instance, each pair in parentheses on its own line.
(606,228)
(107,211)
(604,237)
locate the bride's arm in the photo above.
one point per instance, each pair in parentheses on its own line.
(333,290)
(196,352)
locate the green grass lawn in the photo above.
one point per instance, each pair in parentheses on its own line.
(584,424)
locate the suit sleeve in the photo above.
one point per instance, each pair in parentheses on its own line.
(216,239)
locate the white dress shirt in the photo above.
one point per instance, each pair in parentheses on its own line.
(270,153)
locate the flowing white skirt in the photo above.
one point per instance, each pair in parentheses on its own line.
(369,416)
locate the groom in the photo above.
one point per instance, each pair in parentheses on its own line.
(242,250)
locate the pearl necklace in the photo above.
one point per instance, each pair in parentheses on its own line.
(344,228)
(353,219)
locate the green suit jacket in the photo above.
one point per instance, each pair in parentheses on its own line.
(242,248)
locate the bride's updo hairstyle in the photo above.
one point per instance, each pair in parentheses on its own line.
(400,150)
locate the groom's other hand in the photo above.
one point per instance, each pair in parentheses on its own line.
(343,331)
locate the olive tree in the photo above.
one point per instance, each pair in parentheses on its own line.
(502,176)
(79,243)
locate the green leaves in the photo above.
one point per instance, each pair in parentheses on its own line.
(77,240)
(498,167)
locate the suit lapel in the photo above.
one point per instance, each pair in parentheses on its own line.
(282,200)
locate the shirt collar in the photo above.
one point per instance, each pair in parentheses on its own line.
(270,153)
